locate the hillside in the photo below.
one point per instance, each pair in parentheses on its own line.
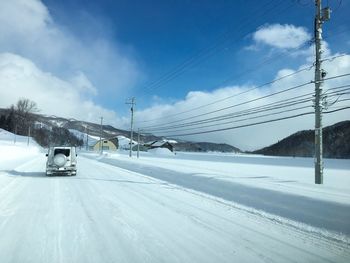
(336,143)
(109,131)
(205,147)
(79,129)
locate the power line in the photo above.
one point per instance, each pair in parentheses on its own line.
(232,96)
(343,88)
(240,126)
(334,57)
(240,104)
(337,76)
(299,2)
(256,123)
(258,109)
(263,62)
(338,107)
(339,5)
(336,92)
(335,110)
(240,120)
(178,72)
(205,53)
(183,127)
(159,82)
(339,32)
(241,93)
(243,103)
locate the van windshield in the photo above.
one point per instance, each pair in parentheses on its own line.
(63,151)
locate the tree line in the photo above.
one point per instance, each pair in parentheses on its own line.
(22,119)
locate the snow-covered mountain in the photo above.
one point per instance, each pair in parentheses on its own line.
(81,129)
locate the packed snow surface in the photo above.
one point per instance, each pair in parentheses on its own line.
(160,151)
(169,208)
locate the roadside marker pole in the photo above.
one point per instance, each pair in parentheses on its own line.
(138,143)
(14,140)
(87,138)
(28,136)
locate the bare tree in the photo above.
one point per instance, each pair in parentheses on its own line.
(26,107)
(23,114)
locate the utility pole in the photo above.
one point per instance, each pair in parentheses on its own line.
(28,135)
(101,146)
(15,134)
(321,16)
(138,143)
(87,138)
(132,103)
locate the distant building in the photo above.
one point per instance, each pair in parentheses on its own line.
(160,144)
(107,145)
(140,147)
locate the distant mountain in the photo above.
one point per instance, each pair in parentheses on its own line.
(205,147)
(90,128)
(336,143)
(108,131)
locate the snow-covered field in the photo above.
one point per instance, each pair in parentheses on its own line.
(171,208)
(285,174)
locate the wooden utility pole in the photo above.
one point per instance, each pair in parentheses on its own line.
(101,145)
(321,16)
(138,143)
(132,103)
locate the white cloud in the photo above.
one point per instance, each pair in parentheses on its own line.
(83,83)
(249,138)
(62,72)
(23,17)
(20,77)
(282,36)
(46,63)
(253,137)
(28,29)
(309,52)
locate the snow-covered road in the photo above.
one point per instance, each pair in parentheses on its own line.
(110,214)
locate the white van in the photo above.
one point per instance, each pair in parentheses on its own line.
(61,161)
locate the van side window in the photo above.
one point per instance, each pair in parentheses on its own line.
(66,152)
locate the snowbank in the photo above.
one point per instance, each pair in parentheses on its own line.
(124,143)
(161,151)
(14,150)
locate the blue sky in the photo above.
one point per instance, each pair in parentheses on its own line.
(91,56)
(160,35)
